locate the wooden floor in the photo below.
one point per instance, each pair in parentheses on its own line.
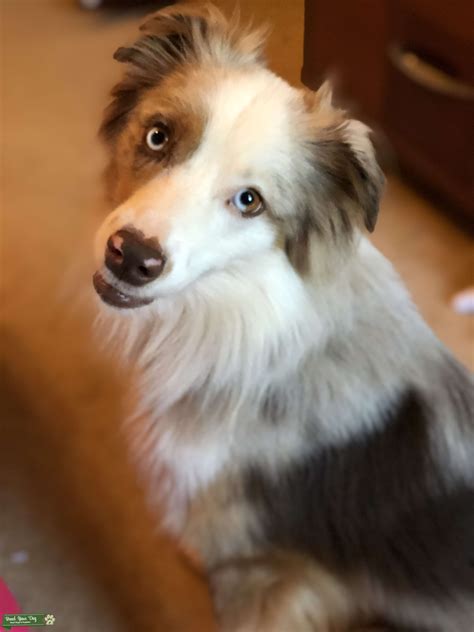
(69,496)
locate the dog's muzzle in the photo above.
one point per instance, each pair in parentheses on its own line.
(134,261)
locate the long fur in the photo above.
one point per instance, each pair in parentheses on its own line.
(307,434)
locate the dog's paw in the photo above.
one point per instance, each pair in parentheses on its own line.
(275,597)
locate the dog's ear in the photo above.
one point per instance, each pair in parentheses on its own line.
(182,34)
(347,177)
(340,181)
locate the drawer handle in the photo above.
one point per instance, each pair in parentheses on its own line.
(427,75)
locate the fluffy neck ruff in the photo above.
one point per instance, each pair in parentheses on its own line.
(231,333)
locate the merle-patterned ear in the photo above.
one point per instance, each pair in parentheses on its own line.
(171,37)
(185,33)
(346,173)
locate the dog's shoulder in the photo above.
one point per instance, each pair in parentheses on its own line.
(388,500)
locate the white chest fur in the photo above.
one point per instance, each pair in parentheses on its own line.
(190,465)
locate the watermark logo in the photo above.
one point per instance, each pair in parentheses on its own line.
(32,620)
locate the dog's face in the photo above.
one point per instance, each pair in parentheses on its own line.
(215,161)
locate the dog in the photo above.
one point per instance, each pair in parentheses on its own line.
(317,439)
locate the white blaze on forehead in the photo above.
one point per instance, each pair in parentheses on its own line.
(249,133)
(248,141)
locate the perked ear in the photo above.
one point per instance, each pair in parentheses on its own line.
(183,34)
(348,180)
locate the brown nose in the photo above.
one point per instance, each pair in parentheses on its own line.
(134,259)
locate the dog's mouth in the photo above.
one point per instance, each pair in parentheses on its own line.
(112,296)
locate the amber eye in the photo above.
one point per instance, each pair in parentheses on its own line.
(249,202)
(156,138)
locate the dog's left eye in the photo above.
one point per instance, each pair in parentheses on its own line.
(156,138)
(249,202)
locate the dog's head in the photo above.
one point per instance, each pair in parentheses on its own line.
(215,161)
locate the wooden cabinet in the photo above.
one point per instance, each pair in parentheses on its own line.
(409,67)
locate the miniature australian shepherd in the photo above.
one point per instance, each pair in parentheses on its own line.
(318,439)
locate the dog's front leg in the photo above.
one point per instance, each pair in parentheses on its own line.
(278,592)
(255,590)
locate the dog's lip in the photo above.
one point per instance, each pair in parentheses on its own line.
(112,296)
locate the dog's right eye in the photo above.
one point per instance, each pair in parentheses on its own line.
(156,138)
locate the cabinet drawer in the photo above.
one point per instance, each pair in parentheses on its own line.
(429,102)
